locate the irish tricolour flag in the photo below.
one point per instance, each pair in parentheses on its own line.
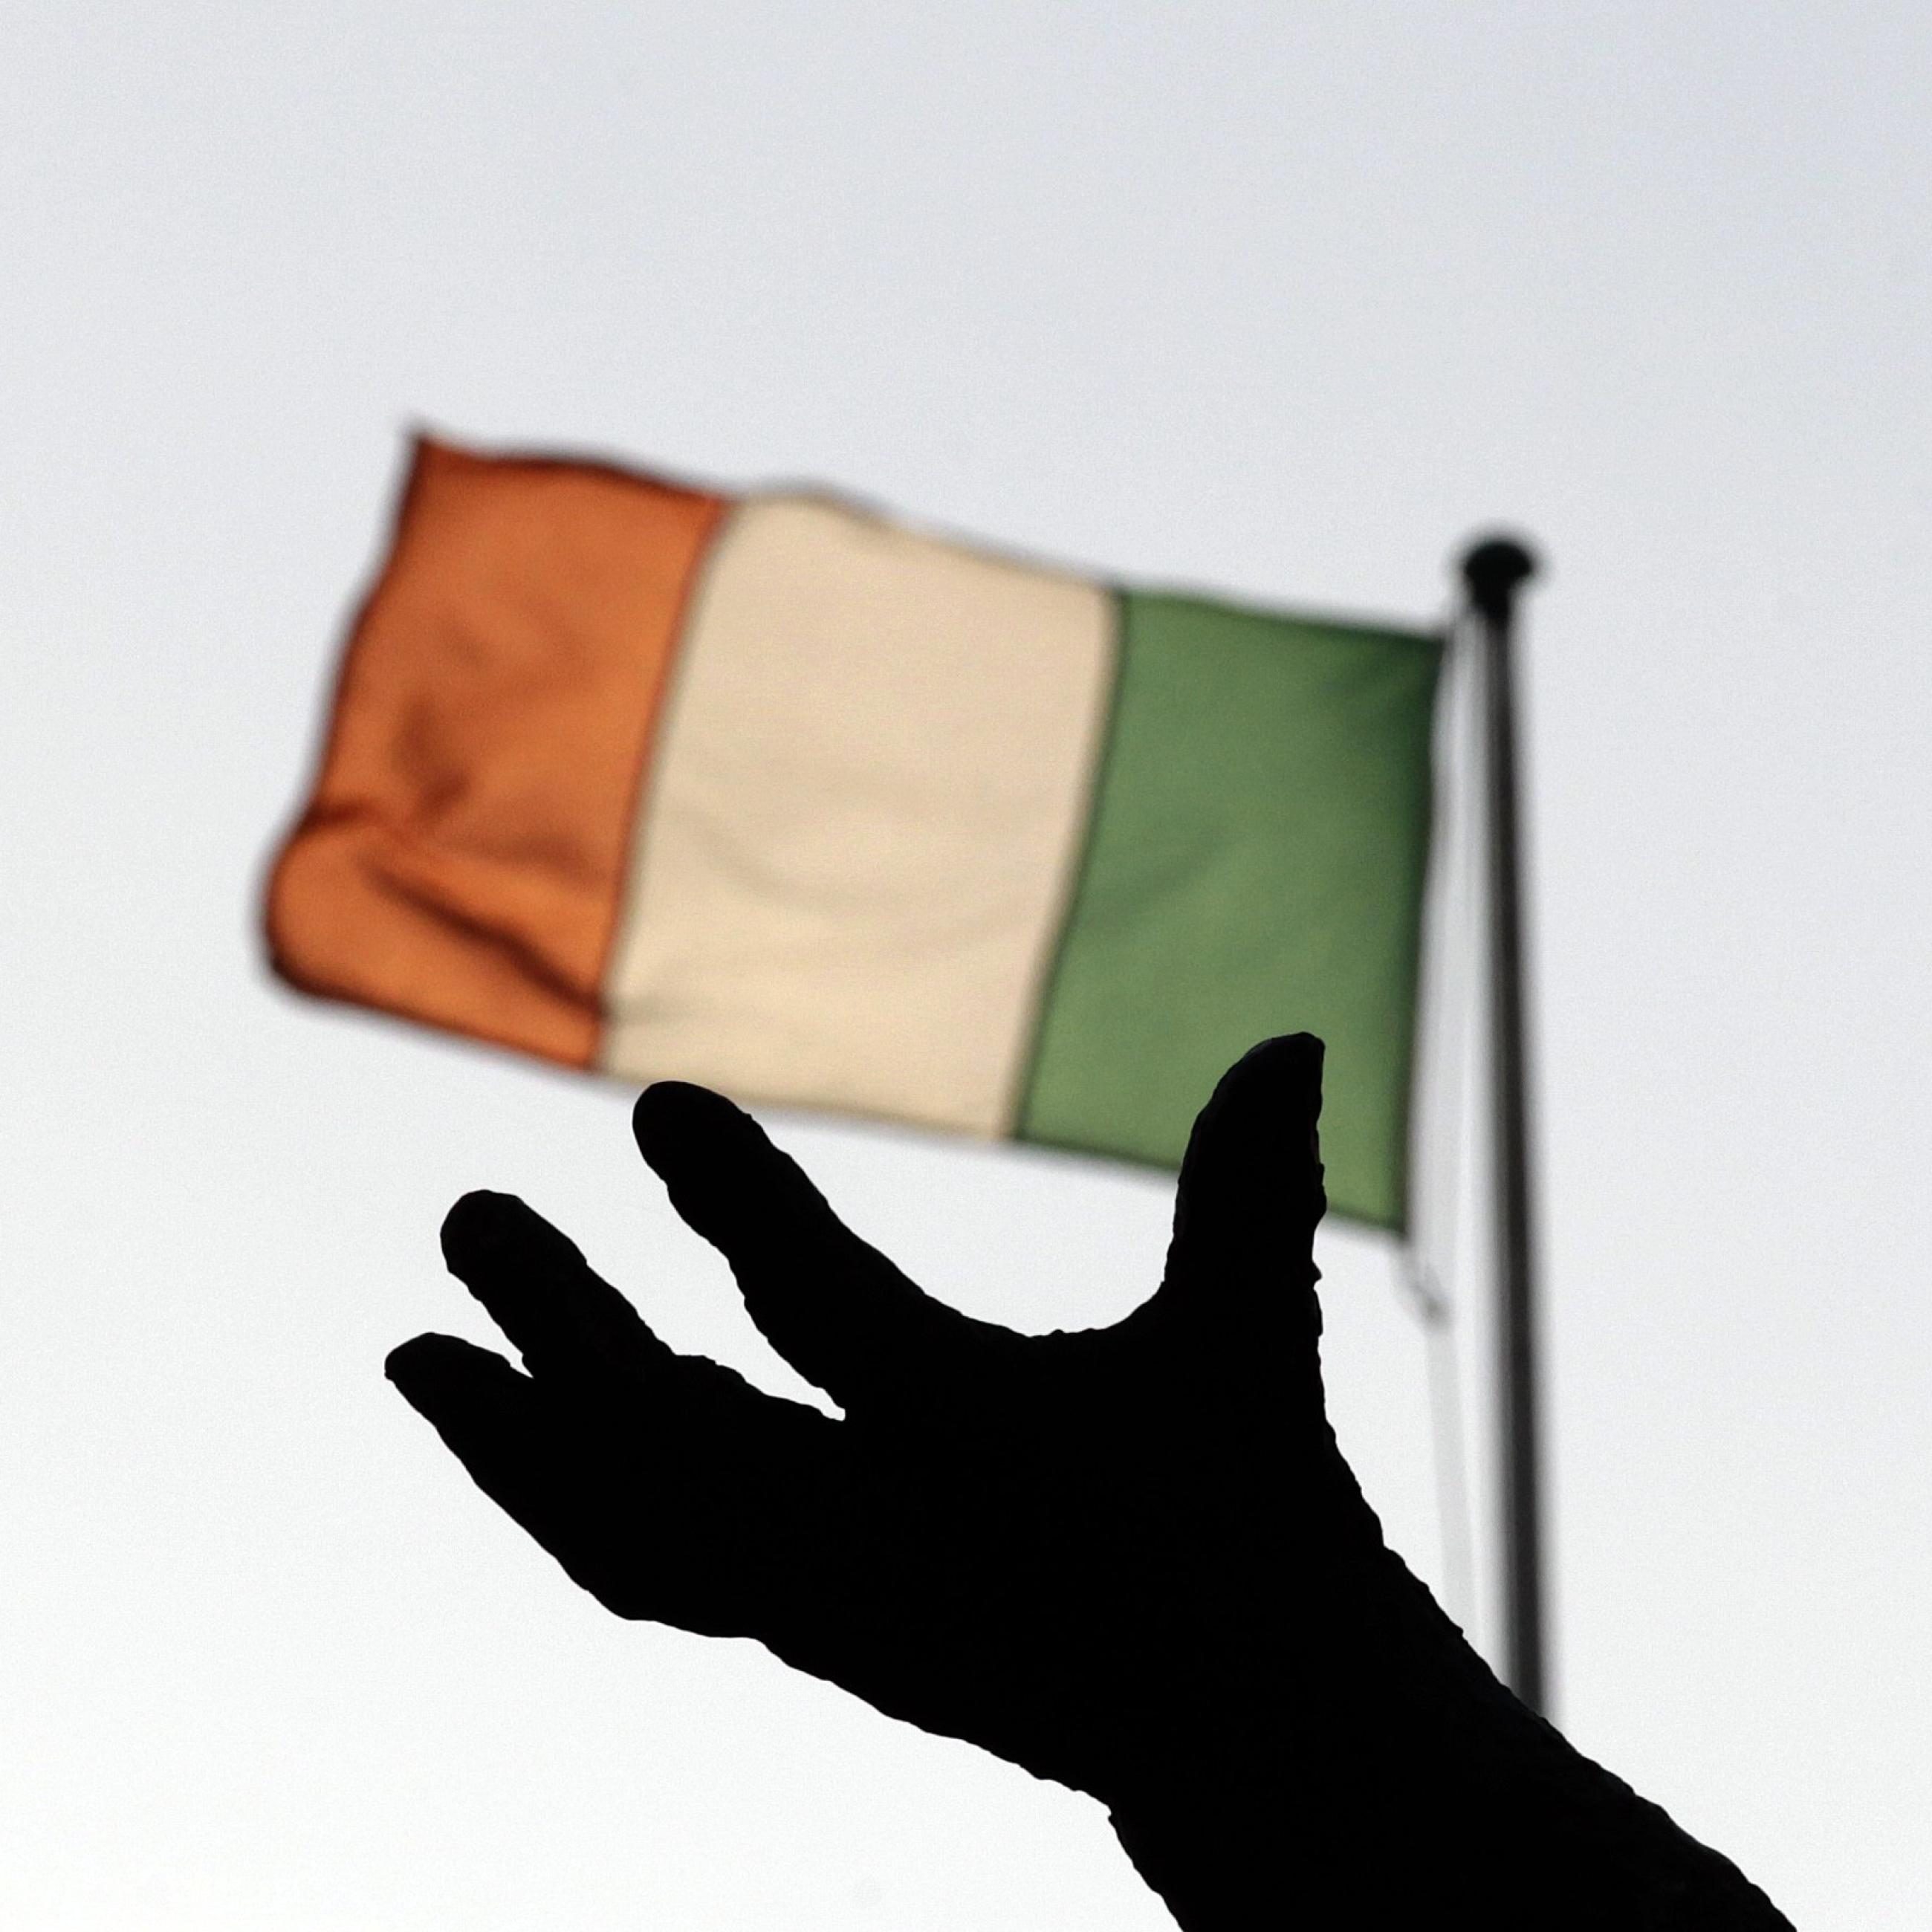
(769,792)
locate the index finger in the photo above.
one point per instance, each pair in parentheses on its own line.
(835,1307)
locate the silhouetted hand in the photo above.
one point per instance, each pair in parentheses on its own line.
(1132,1559)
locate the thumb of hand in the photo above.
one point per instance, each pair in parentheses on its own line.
(1250,1190)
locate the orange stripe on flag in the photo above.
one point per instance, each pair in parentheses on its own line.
(464,855)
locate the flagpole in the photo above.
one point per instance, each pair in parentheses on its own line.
(1494,571)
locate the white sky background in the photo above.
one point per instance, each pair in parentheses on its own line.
(1284,300)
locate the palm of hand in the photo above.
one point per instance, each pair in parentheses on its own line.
(1079,1550)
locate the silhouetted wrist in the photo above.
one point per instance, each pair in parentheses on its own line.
(1511,1849)
(1408,1788)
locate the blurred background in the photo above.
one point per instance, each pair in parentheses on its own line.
(1282,300)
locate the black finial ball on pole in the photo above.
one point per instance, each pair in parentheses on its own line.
(1495,568)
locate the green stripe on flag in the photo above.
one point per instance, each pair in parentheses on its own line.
(1254,865)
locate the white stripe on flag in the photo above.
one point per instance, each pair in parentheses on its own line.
(869,792)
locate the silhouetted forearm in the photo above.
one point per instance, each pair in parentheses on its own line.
(1433,1798)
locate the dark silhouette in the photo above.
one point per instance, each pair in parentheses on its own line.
(1132,1559)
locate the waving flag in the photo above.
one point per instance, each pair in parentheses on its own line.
(769,792)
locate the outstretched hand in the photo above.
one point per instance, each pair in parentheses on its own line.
(1131,1559)
(1072,1549)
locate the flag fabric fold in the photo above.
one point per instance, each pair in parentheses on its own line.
(771,793)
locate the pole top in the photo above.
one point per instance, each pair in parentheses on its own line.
(1495,568)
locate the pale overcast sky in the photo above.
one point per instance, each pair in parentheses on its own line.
(1285,300)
